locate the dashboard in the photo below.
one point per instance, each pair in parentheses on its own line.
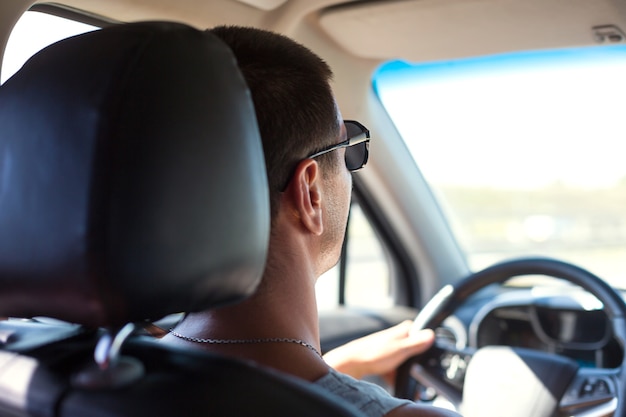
(564,320)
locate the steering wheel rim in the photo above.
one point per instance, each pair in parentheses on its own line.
(450,297)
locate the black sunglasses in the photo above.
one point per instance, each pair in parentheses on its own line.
(357,146)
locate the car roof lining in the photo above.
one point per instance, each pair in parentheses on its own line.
(450,29)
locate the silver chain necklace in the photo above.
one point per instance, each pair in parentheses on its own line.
(246,341)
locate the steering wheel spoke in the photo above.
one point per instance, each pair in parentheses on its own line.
(448,363)
(442,368)
(592,393)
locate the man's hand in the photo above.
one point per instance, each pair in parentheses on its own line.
(380,353)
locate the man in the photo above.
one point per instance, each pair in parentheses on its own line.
(310,189)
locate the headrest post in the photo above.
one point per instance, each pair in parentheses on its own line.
(110,369)
(107,350)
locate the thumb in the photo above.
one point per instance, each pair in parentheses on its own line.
(420,341)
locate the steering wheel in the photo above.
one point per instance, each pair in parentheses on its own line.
(518,382)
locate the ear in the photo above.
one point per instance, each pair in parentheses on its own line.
(305,194)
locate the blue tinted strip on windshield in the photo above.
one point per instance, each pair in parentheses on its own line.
(400,72)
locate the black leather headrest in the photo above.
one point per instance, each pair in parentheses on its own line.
(132,178)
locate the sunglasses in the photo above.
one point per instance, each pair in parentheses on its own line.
(357,146)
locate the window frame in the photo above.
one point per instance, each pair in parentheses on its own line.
(71,13)
(403,274)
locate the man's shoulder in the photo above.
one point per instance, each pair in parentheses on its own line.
(370,398)
(373,400)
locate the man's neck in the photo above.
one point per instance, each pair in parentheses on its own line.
(283,307)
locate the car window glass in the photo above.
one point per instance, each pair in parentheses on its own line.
(33,32)
(367,274)
(327,290)
(524,151)
(367,269)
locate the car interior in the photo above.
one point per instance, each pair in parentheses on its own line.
(133,191)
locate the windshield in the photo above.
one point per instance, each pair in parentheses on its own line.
(525,152)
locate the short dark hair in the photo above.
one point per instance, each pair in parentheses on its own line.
(294,103)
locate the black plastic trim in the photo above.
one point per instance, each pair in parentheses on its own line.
(71,13)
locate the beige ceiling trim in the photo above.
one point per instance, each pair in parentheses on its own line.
(264,4)
(427,30)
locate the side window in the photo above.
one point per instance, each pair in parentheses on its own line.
(363,276)
(33,32)
(368,272)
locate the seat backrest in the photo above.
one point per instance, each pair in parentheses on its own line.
(132,186)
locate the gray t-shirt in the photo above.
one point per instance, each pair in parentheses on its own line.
(370,398)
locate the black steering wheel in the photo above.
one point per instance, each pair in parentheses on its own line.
(518,382)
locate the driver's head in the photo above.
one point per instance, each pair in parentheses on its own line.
(294,104)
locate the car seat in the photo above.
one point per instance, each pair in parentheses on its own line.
(132,186)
